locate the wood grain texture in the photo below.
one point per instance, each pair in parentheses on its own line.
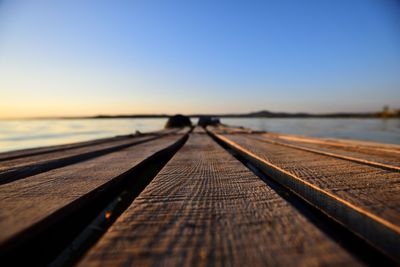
(362,199)
(373,189)
(391,148)
(205,208)
(50,149)
(9,155)
(57,155)
(28,201)
(199,130)
(382,156)
(361,146)
(20,168)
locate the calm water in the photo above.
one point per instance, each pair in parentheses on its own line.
(378,130)
(19,134)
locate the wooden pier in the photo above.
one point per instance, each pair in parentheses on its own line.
(219,196)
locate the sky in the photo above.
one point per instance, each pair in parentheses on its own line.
(79,58)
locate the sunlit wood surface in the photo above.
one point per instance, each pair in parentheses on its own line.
(222,196)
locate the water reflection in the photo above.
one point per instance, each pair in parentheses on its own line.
(19,134)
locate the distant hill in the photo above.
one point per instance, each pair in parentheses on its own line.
(270,114)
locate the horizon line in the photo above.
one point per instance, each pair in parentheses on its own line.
(277,114)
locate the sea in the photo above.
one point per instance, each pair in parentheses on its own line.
(22,134)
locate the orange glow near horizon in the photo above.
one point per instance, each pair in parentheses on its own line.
(63,58)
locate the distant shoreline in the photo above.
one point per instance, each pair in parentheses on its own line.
(386,113)
(272,115)
(259,114)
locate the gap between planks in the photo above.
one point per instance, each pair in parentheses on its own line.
(206,208)
(33,205)
(334,155)
(376,230)
(20,168)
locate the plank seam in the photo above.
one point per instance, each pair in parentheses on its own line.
(374,229)
(329,154)
(332,142)
(33,240)
(22,172)
(64,147)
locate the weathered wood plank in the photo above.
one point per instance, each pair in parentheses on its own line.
(347,144)
(390,148)
(351,152)
(9,155)
(49,149)
(364,198)
(205,208)
(38,159)
(11,170)
(199,130)
(30,201)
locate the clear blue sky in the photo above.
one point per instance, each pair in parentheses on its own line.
(77,57)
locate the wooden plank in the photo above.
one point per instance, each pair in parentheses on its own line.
(205,208)
(9,155)
(49,149)
(11,170)
(391,148)
(183,130)
(383,157)
(368,146)
(199,130)
(30,201)
(364,198)
(38,159)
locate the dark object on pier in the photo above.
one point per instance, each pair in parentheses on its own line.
(208,120)
(178,121)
